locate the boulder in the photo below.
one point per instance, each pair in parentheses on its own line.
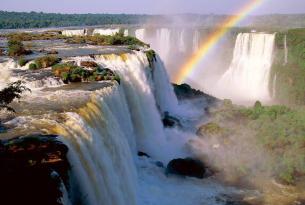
(27,167)
(185,91)
(186,167)
(89,64)
(170,121)
(52,52)
(143,154)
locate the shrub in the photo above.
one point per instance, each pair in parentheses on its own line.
(46,61)
(33,66)
(151,57)
(8,94)
(16,48)
(22,61)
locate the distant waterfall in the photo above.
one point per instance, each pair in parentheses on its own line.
(105,31)
(249,73)
(196,40)
(80,32)
(285,50)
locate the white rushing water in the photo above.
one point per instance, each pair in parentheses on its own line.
(285,50)
(247,78)
(103,171)
(140,84)
(80,32)
(108,32)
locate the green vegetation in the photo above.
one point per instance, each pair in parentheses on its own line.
(70,73)
(22,61)
(102,40)
(9,20)
(33,66)
(48,35)
(46,61)
(278,130)
(16,48)
(290,81)
(11,92)
(151,57)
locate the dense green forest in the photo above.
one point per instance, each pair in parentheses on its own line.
(15,20)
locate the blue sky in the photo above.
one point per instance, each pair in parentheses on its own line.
(150,6)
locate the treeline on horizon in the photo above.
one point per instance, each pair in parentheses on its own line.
(19,20)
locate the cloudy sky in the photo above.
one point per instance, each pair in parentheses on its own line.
(150,6)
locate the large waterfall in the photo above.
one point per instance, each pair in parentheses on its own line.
(247,78)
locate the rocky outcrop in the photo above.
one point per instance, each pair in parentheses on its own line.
(170,121)
(186,167)
(32,170)
(89,64)
(185,91)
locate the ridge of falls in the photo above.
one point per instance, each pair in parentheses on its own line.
(248,76)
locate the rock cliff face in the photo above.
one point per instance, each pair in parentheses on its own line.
(32,170)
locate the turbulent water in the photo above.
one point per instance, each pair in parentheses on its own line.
(248,76)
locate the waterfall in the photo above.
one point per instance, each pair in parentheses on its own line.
(248,75)
(107,32)
(196,40)
(80,32)
(164,42)
(140,34)
(286,50)
(164,91)
(100,152)
(182,43)
(146,89)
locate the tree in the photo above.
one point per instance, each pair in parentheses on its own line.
(8,94)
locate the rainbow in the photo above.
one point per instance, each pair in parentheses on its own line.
(213,39)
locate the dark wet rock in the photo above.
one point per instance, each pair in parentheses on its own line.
(159,164)
(186,167)
(185,91)
(52,52)
(3,129)
(27,167)
(143,154)
(170,121)
(89,64)
(231,200)
(1,52)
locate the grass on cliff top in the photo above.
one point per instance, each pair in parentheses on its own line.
(105,40)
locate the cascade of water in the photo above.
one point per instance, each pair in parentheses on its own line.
(286,50)
(80,32)
(108,32)
(248,75)
(164,92)
(140,34)
(196,40)
(145,89)
(182,43)
(103,171)
(164,42)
